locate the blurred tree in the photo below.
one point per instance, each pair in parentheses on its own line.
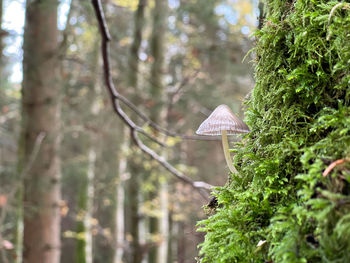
(3,60)
(134,192)
(87,186)
(158,225)
(119,214)
(1,40)
(41,119)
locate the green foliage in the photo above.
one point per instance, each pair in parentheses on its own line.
(299,117)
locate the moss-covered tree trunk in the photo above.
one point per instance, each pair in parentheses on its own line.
(285,205)
(41,117)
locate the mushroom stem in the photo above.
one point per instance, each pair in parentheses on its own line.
(227,152)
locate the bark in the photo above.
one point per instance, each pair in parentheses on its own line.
(41,115)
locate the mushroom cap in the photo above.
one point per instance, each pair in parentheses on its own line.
(222,118)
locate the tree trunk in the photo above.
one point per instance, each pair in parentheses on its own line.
(134,189)
(90,205)
(134,164)
(86,196)
(2,64)
(139,21)
(158,254)
(157,52)
(163,222)
(87,192)
(181,242)
(41,115)
(119,225)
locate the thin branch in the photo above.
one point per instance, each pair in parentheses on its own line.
(197,185)
(331,14)
(106,37)
(116,97)
(334,164)
(179,89)
(160,129)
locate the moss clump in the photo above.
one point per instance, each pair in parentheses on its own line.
(299,117)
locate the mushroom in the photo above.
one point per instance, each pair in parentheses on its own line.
(223,122)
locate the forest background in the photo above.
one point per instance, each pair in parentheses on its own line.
(176,61)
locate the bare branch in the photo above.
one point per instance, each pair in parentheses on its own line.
(197,185)
(116,95)
(134,129)
(160,129)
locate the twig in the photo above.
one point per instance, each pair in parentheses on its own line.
(157,127)
(198,185)
(344,6)
(116,97)
(332,165)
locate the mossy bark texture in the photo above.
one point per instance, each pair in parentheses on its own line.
(299,117)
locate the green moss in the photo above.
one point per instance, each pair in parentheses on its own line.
(299,117)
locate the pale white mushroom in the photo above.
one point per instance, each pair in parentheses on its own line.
(223,122)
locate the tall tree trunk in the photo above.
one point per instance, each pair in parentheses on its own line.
(90,204)
(158,115)
(84,226)
(87,192)
(139,21)
(157,51)
(134,191)
(41,115)
(163,222)
(181,242)
(2,64)
(119,225)
(3,73)
(134,165)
